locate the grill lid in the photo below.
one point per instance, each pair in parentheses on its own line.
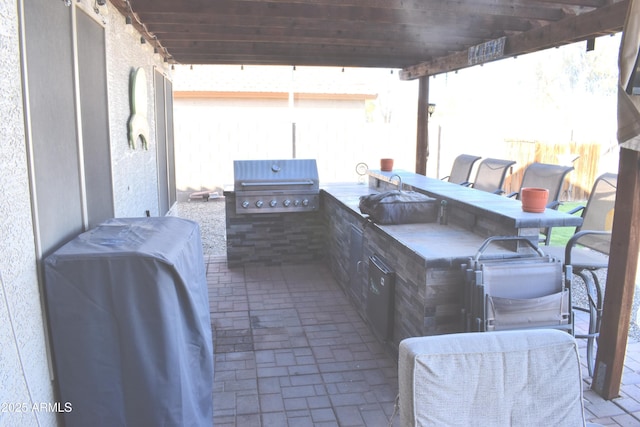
(274,186)
(276,175)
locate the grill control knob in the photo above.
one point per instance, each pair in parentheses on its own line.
(245,204)
(305,202)
(296,202)
(286,203)
(273,203)
(259,203)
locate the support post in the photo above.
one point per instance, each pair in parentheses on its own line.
(422,140)
(621,277)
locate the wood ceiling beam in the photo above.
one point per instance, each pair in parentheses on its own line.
(422,4)
(309,60)
(436,36)
(579,3)
(477,23)
(397,37)
(211,41)
(297,50)
(363,12)
(300,49)
(473,26)
(606,20)
(476,27)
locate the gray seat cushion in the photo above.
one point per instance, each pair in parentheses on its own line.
(506,378)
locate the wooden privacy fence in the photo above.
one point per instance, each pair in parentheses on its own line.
(578,182)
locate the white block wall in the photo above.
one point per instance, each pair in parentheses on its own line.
(135,179)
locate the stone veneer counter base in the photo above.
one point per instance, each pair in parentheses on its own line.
(273,238)
(426,258)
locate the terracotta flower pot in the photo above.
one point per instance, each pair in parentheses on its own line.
(386,165)
(534,199)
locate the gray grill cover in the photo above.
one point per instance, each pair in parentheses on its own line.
(129,318)
(399,207)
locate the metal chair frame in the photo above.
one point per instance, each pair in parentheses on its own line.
(587,251)
(529,281)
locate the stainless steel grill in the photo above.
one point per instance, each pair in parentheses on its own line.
(272,186)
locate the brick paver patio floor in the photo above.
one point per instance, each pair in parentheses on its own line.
(291,350)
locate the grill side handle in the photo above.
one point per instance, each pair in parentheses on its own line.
(272,183)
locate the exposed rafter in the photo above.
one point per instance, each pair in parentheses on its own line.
(608,20)
(421,36)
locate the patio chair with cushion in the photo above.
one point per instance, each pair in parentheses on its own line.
(588,251)
(461,169)
(491,174)
(504,378)
(544,175)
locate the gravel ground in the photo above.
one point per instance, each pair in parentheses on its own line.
(580,299)
(211,217)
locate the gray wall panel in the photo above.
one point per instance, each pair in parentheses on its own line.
(168,93)
(49,52)
(161,139)
(94,107)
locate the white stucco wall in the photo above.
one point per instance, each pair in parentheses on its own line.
(135,179)
(24,372)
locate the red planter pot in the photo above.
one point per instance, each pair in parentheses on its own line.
(386,165)
(534,199)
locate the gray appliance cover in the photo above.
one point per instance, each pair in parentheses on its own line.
(130,326)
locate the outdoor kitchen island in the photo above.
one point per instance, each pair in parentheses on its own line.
(426,258)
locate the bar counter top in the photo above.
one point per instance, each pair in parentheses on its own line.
(448,244)
(483,203)
(443,245)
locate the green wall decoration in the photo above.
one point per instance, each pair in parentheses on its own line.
(138,122)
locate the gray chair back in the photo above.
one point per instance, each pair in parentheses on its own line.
(547,176)
(551,177)
(491,174)
(461,169)
(598,213)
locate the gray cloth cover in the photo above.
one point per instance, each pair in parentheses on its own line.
(129,320)
(399,207)
(508,378)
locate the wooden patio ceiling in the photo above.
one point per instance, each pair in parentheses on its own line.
(421,37)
